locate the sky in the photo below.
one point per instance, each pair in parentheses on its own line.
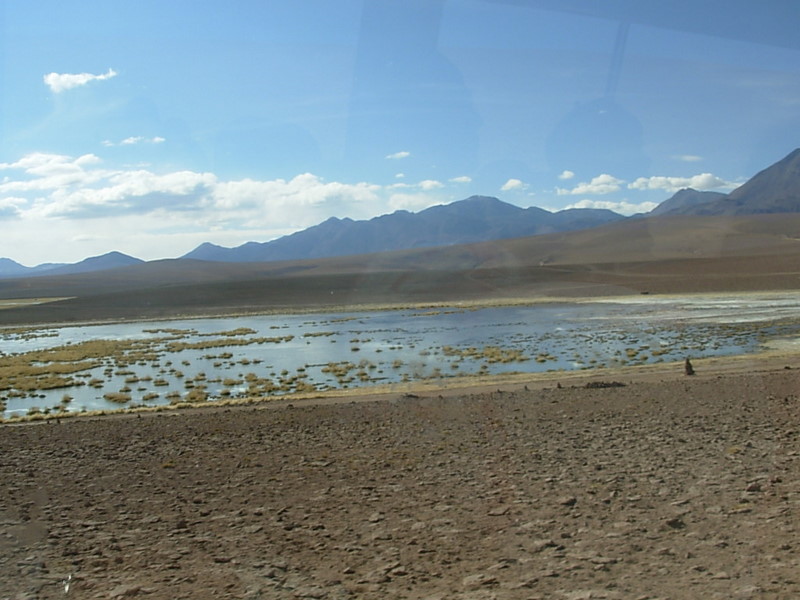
(151,127)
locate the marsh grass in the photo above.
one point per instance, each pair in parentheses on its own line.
(489,354)
(98,363)
(117,397)
(178,346)
(195,395)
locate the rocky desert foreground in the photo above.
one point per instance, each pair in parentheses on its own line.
(665,487)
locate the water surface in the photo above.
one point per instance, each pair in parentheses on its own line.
(177,360)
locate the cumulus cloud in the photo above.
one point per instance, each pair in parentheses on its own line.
(624,207)
(513,184)
(305,190)
(42,163)
(156,214)
(430,184)
(598,186)
(564,175)
(50,172)
(461,179)
(702,182)
(60,82)
(398,155)
(131,192)
(52,185)
(10,207)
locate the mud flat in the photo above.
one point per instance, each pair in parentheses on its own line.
(644,483)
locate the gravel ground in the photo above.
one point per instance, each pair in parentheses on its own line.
(687,487)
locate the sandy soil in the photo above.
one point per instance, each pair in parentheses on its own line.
(667,487)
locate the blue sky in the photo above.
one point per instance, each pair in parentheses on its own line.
(149,128)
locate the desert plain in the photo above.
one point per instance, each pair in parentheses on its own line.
(649,485)
(634,483)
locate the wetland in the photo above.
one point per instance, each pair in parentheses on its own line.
(105,367)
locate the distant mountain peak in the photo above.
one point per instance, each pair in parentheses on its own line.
(9,262)
(115,255)
(109,260)
(685,202)
(11,268)
(775,189)
(209,245)
(474,219)
(481,200)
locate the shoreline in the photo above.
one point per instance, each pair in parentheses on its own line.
(322,309)
(765,362)
(772,351)
(466,305)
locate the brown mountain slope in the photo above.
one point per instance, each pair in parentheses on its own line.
(773,190)
(634,240)
(657,255)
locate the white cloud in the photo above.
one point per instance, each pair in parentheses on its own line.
(600,185)
(306,190)
(426,185)
(688,157)
(513,184)
(59,82)
(42,163)
(703,181)
(399,175)
(130,192)
(50,172)
(133,140)
(52,185)
(461,179)
(564,175)
(624,207)
(398,155)
(430,184)
(91,206)
(10,207)
(412,202)
(138,139)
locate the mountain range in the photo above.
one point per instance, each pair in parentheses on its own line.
(110,260)
(776,189)
(476,219)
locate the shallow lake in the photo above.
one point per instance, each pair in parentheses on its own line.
(157,363)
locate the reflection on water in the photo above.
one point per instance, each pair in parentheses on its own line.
(172,361)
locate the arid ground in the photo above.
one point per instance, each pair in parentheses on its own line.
(652,484)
